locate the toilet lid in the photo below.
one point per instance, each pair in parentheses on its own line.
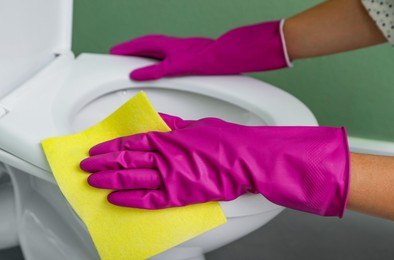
(34,26)
(16,70)
(32,33)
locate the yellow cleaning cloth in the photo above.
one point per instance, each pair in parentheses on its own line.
(123,233)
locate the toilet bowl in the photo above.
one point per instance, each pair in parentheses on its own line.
(61,95)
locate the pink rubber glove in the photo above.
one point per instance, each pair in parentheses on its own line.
(304,168)
(251,48)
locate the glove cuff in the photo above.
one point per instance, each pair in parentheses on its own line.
(303,168)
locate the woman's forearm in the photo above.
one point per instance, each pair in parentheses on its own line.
(330,27)
(372,185)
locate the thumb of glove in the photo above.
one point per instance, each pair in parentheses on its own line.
(148,73)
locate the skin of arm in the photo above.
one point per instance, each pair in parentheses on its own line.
(336,26)
(371,185)
(331,27)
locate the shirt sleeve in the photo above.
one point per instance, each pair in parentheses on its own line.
(382,12)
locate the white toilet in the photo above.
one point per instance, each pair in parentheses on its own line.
(46,92)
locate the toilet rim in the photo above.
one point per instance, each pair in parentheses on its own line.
(110,74)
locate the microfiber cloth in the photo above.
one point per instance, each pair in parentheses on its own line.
(118,232)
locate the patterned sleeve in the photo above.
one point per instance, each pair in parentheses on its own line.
(382,12)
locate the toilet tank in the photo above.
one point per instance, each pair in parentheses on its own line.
(32,34)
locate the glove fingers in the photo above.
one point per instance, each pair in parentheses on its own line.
(139,142)
(151,72)
(151,46)
(143,199)
(126,179)
(175,122)
(119,160)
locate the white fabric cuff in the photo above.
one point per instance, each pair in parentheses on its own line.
(282,36)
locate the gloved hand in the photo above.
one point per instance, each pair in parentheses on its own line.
(304,168)
(251,48)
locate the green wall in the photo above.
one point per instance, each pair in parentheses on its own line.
(355,89)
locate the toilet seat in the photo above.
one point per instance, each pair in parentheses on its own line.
(72,85)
